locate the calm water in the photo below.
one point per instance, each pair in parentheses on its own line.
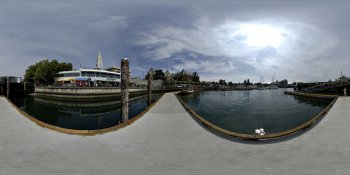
(80,115)
(245,111)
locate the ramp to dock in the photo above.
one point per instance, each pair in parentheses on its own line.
(166,140)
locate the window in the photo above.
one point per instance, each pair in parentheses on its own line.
(90,74)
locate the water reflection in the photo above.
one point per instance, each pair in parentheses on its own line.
(244,111)
(81,115)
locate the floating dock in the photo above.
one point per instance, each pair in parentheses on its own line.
(167,140)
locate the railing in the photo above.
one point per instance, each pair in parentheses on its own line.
(326,86)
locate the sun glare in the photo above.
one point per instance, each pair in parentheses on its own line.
(261,35)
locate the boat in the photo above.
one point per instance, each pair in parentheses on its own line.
(273,87)
(261,88)
(187,91)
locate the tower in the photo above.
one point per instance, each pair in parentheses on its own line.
(99,64)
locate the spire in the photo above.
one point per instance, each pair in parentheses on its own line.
(99,64)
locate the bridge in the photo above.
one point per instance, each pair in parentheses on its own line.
(167,141)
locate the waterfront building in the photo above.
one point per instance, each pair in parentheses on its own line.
(282,84)
(167,75)
(90,77)
(114,69)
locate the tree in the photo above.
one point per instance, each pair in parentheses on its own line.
(159,75)
(222,82)
(246,82)
(195,77)
(45,71)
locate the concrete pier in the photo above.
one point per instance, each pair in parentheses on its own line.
(166,140)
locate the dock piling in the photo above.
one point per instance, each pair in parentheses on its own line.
(124,88)
(8,87)
(150,78)
(24,88)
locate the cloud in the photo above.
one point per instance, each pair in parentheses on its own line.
(307,40)
(293,44)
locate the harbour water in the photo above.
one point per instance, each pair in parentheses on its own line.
(244,111)
(80,115)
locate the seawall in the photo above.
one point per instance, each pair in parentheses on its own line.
(86,93)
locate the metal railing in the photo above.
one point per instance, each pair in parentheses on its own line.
(325,86)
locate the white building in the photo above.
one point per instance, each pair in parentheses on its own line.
(89,77)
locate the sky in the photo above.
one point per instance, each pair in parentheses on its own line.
(298,40)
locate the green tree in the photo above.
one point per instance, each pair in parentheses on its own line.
(45,71)
(195,77)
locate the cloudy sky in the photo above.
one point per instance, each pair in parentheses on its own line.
(298,40)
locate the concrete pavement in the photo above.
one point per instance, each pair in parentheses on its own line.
(168,141)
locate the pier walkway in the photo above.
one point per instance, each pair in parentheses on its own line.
(167,141)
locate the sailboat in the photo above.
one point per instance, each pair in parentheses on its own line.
(273,83)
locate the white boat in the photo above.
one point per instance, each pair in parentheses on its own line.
(273,87)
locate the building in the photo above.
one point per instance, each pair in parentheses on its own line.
(99,64)
(114,69)
(90,77)
(283,83)
(167,75)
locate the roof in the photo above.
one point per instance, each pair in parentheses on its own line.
(87,70)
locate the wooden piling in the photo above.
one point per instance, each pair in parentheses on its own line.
(8,87)
(150,78)
(24,88)
(124,88)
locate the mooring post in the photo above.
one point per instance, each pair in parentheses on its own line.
(124,88)
(24,88)
(150,78)
(8,87)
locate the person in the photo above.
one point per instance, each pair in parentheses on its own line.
(344,91)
